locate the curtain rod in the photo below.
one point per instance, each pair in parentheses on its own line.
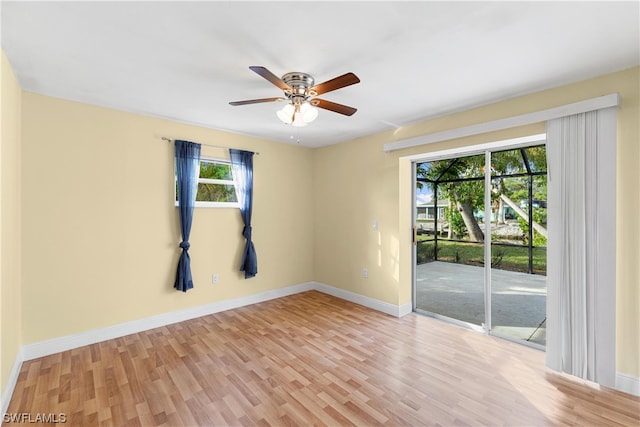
(164,138)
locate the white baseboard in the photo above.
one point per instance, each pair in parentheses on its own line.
(5,398)
(385,307)
(405,309)
(628,384)
(57,345)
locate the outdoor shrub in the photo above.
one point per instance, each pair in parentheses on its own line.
(496,259)
(425,252)
(539,216)
(456,222)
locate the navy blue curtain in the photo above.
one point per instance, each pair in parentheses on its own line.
(187,171)
(242,167)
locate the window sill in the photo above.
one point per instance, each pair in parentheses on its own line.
(214,205)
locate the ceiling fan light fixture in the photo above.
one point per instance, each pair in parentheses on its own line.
(298,114)
(298,121)
(308,112)
(286,114)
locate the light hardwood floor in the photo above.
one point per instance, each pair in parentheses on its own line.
(312,359)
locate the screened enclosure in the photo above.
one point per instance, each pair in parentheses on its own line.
(480,228)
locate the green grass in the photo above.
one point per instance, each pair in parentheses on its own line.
(512,258)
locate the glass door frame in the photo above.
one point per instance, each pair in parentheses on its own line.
(487,150)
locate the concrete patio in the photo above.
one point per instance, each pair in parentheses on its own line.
(457,291)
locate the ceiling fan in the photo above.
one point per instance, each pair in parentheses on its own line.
(300,91)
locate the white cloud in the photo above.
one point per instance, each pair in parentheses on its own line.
(422,199)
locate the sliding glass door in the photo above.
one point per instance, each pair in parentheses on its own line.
(480,241)
(449,244)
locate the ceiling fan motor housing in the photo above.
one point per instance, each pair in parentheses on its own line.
(300,84)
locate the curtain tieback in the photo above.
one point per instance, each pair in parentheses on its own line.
(185,245)
(247,232)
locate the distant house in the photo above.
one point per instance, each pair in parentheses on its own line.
(535,203)
(427,211)
(426,215)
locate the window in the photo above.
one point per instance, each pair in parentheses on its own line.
(216,187)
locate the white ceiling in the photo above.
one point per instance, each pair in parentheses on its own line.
(185,61)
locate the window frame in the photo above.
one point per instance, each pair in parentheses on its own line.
(209,204)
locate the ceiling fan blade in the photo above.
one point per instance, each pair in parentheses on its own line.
(336,83)
(256,101)
(332,106)
(262,71)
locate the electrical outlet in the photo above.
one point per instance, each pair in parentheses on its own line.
(365,273)
(215,278)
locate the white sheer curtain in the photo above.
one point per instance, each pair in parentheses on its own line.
(581,279)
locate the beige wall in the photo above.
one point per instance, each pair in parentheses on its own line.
(100,230)
(357,183)
(10,219)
